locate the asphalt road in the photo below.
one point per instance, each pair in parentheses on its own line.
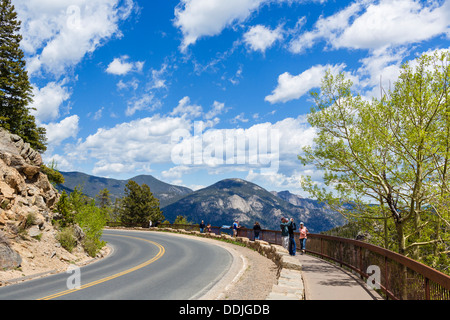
(142,266)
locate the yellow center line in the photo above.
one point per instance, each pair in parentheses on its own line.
(142,265)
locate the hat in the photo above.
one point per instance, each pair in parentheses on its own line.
(301,223)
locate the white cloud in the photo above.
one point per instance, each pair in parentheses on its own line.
(369,24)
(57,35)
(58,132)
(158,81)
(239,118)
(260,38)
(293,87)
(62,163)
(145,102)
(106,168)
(120,66)
(265,146)
(133,145)
(279,181)
(217,109)
(326,28)
(176,172)
(200,18)
(98,114)
(132,84)
(138,144)
(48,100)
(382,67)
(186,109)
(398,22)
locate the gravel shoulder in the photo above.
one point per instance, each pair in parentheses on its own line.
(257,280)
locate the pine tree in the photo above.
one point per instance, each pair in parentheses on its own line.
(139,205)
(15,87)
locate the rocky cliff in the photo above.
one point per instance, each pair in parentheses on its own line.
(27,199)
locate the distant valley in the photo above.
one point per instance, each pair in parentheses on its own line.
(219,204)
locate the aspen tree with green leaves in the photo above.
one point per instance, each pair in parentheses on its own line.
(388,159)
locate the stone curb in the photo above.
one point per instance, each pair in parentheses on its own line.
(290,281)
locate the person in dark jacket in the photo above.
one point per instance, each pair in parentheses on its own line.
(202,226)
(292,244)
(284,225)
(256,230)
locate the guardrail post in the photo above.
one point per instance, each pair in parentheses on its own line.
(360,262)
(427,289)
(386,277)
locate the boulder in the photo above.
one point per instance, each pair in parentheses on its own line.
(9,258)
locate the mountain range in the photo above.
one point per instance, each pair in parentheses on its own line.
(219,204)
(92,185)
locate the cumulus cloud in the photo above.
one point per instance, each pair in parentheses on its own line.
(57,35)
(186,109)
(60,131)
(369,24)
(293,87)
(390,23)
(120,66)
(217,109)
(132,144)
(48,100)
(260,38)
(326,28)
(189,145)
(201,18)
(145,102)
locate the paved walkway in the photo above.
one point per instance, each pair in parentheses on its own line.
(325,281)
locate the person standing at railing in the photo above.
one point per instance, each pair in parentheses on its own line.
(284,225)
(256,230)
(292,244)
(235,228)
(202,226)
(303,236)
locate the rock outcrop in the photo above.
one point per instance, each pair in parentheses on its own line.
(25,191)
(26,196)
(28,242)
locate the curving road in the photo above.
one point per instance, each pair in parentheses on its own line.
(142,266)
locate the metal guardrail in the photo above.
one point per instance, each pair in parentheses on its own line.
(398,278)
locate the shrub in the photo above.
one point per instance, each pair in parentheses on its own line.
(67,239)
(30,220)
(92,246)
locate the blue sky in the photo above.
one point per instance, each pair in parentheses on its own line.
(181,89)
